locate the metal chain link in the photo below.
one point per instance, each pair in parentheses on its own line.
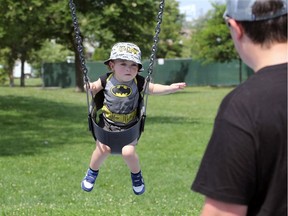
(156,39)
(152,59)
(79,42)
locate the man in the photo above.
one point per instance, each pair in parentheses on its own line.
(244,168)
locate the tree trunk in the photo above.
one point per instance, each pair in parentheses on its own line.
(10,67)
(22,79)
(78,74)
(11,78)
(78,68)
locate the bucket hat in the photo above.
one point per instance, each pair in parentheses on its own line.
(126,51)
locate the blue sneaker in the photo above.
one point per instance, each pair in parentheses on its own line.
(87,183)
(138,183)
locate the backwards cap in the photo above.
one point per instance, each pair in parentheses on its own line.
(126,51)
(241,10)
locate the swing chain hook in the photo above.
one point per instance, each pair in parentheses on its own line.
(79,43)
(156,39)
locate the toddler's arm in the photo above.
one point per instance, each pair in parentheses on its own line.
(155,88)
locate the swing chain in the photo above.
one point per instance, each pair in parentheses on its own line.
(79,43)
(156,39)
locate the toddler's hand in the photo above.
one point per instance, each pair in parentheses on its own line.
(90,86)
(178,86)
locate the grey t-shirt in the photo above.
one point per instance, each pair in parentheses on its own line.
(121,97)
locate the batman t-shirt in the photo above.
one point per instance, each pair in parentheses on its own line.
(121,97)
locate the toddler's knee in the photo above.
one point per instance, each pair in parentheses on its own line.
(104,149)
(128,151)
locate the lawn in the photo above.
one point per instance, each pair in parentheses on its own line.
(45,148)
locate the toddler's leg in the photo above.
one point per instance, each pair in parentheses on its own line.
(131,158)
(98,156)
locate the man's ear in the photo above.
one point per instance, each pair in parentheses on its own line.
(236,28)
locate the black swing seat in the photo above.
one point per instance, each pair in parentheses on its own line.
(116,140)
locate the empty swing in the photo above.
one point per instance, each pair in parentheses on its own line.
(116,140)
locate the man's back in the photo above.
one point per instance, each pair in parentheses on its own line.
(245,161)
(244,169)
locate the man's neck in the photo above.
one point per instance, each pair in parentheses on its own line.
(276,54)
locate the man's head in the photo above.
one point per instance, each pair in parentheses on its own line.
(263,21)
(256,24)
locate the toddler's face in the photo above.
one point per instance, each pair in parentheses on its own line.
(124,70)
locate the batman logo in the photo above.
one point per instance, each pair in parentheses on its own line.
(121,91)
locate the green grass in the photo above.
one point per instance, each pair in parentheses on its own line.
(29,82)
(45,149)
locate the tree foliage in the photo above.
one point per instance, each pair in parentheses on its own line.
(25,27)
(211,41)
(50,52)
(135,22)
(169,44)
(22,30)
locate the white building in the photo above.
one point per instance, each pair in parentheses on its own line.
(17,69)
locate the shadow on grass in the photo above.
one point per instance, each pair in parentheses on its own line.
(30,125)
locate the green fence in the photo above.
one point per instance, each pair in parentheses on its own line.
(165,71)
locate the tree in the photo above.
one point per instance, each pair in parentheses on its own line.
(135,22)
(21,31)
(170,42)
(25,26)
(103,23)
(212,41)
(123,20)
(129,21)
(49,52)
